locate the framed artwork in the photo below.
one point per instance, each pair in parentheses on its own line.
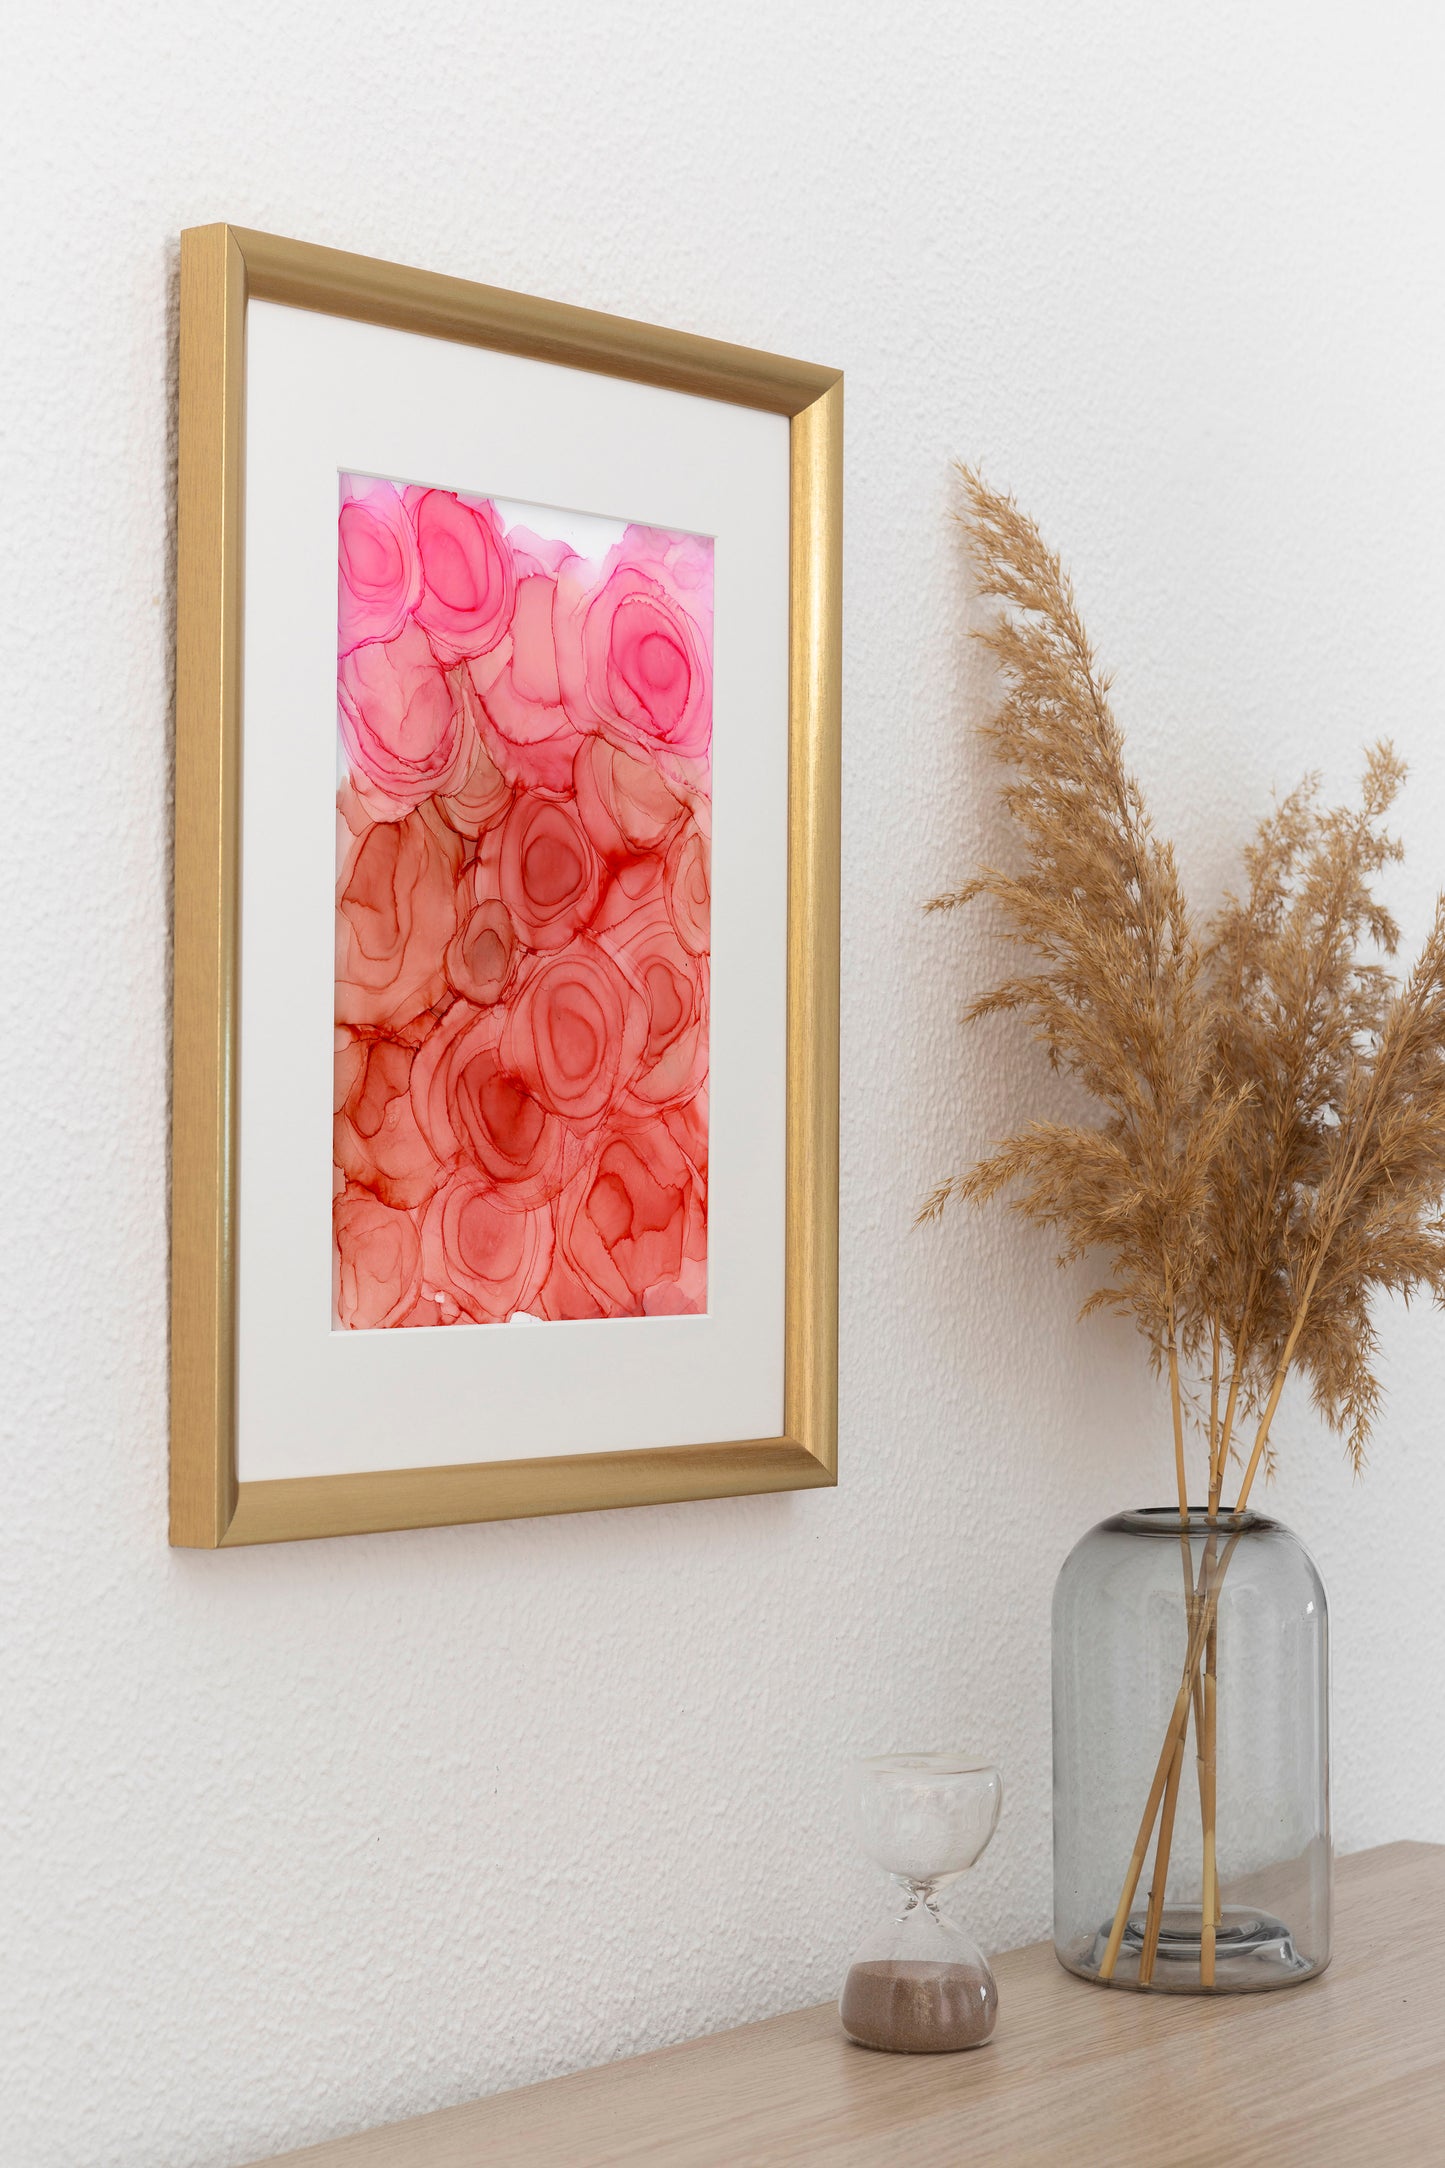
(506,890)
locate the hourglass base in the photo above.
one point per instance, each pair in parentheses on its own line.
(1253,1952)
(914,2006)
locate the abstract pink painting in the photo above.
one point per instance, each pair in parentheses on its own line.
(522,913)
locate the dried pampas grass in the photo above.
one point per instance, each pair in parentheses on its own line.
(1270,1148)
(1271,1144)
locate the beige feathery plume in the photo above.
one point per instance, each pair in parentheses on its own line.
(1271,1142)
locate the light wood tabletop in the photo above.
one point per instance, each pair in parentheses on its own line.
(1348,2068)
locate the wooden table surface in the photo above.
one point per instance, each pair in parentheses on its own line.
(1348,2068)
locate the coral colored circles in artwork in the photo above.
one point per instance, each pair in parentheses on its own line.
(522,915)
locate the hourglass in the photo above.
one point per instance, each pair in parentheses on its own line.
(922,1986)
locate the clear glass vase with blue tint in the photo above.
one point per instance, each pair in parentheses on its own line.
(1191,1755)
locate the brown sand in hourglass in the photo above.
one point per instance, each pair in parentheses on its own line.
(915,2007)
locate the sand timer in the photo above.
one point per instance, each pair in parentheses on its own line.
(922,1986)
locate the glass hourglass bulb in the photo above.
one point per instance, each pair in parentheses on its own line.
(922,1986)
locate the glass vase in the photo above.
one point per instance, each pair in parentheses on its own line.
(1191,1755)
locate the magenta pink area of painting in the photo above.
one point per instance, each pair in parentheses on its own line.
(522,917)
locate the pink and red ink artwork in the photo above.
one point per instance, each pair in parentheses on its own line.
(522,914)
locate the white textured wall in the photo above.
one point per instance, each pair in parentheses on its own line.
(308,1838)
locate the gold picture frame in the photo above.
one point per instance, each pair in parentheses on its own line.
(221,268)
